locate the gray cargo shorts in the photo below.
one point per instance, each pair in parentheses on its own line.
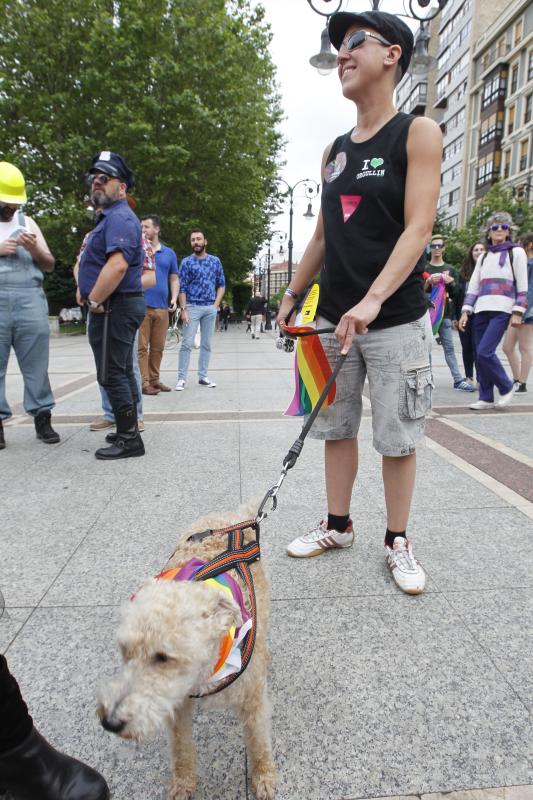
(397,363)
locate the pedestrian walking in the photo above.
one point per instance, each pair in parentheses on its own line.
(110,284)
(497,296)
(153,332)
(202,286)
(520,338)
(381,184)
(438,271)
(256,309)
(29,766)
(225,313)
(24,258)
(466,337)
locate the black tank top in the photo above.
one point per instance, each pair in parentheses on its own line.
(363,210)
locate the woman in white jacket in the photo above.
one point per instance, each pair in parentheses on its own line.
(497,293)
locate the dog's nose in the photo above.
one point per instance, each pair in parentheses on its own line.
(113,725)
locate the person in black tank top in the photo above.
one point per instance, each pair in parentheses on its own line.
(380,188)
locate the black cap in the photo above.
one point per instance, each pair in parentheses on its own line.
(113,164)
(393,29)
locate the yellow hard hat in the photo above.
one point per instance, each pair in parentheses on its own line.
(12,185)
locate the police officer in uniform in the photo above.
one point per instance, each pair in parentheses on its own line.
(109,282)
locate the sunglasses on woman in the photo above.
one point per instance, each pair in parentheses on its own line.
(503,225)
(358,38)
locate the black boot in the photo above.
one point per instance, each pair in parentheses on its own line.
(44,429)
(127,442)
(2,440)
(34,770)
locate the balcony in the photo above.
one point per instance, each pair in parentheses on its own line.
(416,102)
(497,51)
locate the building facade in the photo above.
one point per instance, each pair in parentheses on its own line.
(500,124)
(478,89)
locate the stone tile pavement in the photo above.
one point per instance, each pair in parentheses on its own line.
(374,693)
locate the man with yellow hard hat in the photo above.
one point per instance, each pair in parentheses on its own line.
(24,257)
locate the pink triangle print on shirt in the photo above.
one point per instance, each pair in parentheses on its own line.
(350,204)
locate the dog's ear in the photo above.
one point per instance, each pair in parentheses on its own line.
(224,611)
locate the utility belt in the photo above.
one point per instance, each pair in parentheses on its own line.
(118,295)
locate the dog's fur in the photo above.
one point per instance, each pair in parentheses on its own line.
(169,638)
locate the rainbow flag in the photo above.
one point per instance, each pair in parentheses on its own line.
(438,298)
(311,373)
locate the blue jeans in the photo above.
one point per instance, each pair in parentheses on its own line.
(489,330)
(106,405)
(446,337)
(24,325)
(205,317)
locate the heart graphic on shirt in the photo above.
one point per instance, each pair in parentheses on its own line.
(376,162)
(350,204)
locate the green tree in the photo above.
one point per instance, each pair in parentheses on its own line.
(498,198)
(184,89)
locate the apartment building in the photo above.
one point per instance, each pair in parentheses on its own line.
(446,85)
(500,122)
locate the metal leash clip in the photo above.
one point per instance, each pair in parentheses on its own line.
(272,496)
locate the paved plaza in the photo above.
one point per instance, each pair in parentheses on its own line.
(374,693)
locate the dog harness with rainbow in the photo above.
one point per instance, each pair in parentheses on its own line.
(229,658)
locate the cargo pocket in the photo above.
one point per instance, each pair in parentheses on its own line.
(416,387)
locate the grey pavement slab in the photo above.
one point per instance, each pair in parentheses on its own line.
(11,622)
(404,701)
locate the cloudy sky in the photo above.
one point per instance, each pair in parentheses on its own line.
(315,110)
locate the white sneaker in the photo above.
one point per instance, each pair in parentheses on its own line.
(180,386)
(479,405)
(319,540)
(505,399)
(406,571)
(207,382)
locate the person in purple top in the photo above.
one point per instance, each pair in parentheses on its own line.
(202,287)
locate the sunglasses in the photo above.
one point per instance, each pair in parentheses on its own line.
(358,38)
(503,225)
(436,246)
(101,177)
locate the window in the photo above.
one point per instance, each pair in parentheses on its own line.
(514,79)
(510,119)
(493,88)
(453,148)
(456,121)
(523,155)
(443,59)
(453,197)
(518,31)
(488,169)
(506,163)
(530,66)
(491,128)
(528,109)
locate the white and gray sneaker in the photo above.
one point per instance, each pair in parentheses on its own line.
(207,382)
(406,571)
(180,386)
(319,540)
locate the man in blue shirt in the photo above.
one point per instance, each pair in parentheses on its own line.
(154,327)
(110,278)
(202,286)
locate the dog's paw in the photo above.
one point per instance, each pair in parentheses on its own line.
(182,787)
(264,785)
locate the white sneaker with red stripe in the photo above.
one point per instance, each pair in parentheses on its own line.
(319,540)
(406,571)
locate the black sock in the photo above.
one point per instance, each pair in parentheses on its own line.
(338,524)
(390,536)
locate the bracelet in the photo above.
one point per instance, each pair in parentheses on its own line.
(291,293)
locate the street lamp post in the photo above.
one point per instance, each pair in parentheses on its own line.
(312,188)
(325,61)
(281,238)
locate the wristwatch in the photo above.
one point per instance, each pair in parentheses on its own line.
(93,304)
